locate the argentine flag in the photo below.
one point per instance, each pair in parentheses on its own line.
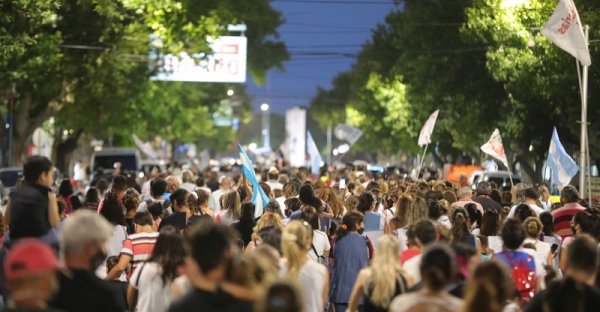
(259,198)
(561,165)
(315,156)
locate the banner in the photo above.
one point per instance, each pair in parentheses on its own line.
(565,30)
(313,153)
(295,128)
(347,133)
(427,130)
(562,166)
(494,148)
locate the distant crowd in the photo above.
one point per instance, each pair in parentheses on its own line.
(350,241)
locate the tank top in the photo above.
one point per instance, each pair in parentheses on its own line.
(369,306)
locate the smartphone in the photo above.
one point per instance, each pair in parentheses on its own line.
(342,183)
(553,248)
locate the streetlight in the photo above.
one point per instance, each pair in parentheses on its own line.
(230,92)
(264,107)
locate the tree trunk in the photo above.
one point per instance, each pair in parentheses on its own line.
(24,125)
(63,150)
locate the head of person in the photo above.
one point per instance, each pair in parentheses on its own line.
(434,210)
(247,212)
(172,183)
(112,210)
(225,183)
(142,220)
(156,209)
(533,227)
(208,249)
(425,233)
(179,199)
(289,190)
(82,239)
(523,211)
(119,184)
(544,192)
(490,222)
(484,188)
(198,200)
(102,186)
(547,223)
(582,259)
(231,203)
(418,211)
(187,176)
(292,204)
(569,194)
(65,188)
(158,187)
(465,193)
(438,267)
(131,199)
(306,194)
(513,234)
(385,270)
(366,202)
(168,252)
(271,236)
(273,174)
(402,209)
(296,240)
(587,222)
(531,194)
(489,288)
(38,170)
(460,224)
(351,222)
(473,214)
(311,216)
(30,273)
(281,297)
(91,196)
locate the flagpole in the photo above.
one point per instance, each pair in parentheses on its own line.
(583,136)
(589,171)
(422,160)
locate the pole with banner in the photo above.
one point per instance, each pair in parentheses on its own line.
(495,148)
(425,137)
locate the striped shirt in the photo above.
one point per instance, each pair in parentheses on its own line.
(562,218)
(139,247)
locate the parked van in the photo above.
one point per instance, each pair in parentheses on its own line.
(501,178)
(129,158)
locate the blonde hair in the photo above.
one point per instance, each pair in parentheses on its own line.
(533,227)
(295,240)
(385,272)
(232,203)
(267,219)
(418,211)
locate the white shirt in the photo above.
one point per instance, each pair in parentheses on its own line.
(321,243)
(533,207)
(274,185)
(224,217)
(190,187)
(413,267)
(312,282)
(542,249)
(113,248)
(214,202)
(153,296)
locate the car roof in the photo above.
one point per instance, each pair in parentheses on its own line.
(11,169)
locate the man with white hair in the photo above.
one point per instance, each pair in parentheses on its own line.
(225,186)
(82,240)
(187,177)
(466,197)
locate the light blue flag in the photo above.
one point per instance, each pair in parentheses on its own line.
(561,165)
(259,198)
(315,156)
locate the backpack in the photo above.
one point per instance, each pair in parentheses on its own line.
(523,276)
(320,258)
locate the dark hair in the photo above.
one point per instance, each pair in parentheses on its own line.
(589,220)
(266,188)
(291,205)
(65,189)
(91,196)
(350,223)
(496,196)
(247,213)
(531,193)
(484,188)
(424,231)
(565,295)
(513,234)
(34,167)
(365,202)
(460,225)
(143,218)
(523,211)
(156,210)
(281,297)
(112,210)
(473,214)
(111,261)
(158,187)
(434,209)
(131,199)
(438,266)
(306,194)
(119,183)
(169,253)
(489,223)
(273,206)
(582,254)
(102,185)
(271,235)
(310,215)
(547,223)
(208,244)
(178,197)
(199,181)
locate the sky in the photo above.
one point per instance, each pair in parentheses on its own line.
(313,30)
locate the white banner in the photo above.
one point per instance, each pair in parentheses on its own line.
(295,129)
(494,148)
(227,63)
(427,130)
(565,30)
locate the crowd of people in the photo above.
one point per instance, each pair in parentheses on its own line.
(380,242)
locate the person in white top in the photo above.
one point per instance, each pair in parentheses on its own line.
(273,181)
(187,177)
(225,186)
(320,246)
(466,197)
(533,228)
(310,275)
(232,209)
(151,281)
(158,187)
(530,196)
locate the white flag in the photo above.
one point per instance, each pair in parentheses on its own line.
(348,133)
(494,148)
(427,130)
(565,30)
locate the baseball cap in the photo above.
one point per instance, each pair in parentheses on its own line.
(29,256)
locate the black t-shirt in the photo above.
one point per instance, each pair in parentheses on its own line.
(201,300)
(84,291)
(120,290)
(245,229)
(176,219)
(591,304)
(488,204)
(29,211)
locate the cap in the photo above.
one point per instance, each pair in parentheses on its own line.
(29,256)
(570,192)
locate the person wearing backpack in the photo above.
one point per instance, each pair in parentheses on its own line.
(319,248)
(525,270)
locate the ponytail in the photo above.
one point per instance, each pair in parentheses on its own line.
(350,223)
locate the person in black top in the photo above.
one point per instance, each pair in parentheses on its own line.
(484,190)
(181,211)
(209,250)
(82,240)
(577,291)
(246,224)
(32,209)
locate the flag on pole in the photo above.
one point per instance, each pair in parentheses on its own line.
(561,165)
(565,30)
(348,133)
(494,148)
(259,198)
(427,130)
(313,153)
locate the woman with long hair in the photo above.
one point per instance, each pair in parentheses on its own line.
(328,195)
(306,194)
(92,199)
(150,284)
(199,204)
(310,275)
(398,224)
(231,208)
(113,212)
(351,254)
(533,228)
(131,201)
(65,192)
(490,288)
(266,220)
(246,224)
(319,249)
(460,229)
(418,211)
(382,281)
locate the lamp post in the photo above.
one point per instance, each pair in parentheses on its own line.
(264,107)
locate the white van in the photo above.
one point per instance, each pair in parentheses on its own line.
(501,178)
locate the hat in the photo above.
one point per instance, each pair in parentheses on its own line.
(570,192)
(29,256)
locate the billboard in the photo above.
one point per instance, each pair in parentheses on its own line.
(227,63)
(295,128)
